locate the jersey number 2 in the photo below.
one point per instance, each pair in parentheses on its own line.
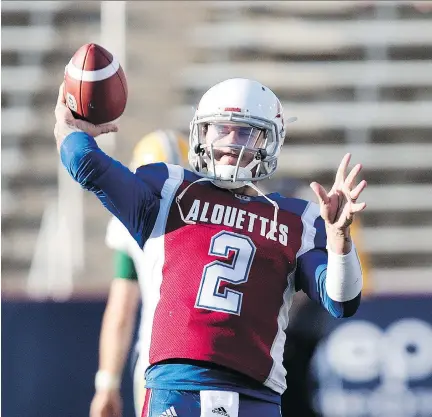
(209,295)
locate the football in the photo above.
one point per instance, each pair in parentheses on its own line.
(95,85)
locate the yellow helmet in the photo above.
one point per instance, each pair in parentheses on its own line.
(161,146)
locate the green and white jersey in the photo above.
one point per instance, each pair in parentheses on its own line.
(127,251)
(119,239)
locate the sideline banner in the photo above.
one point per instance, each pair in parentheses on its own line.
(49,359)
(378,363)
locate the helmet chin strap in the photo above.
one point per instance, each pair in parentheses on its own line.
(180,196)
(273,227)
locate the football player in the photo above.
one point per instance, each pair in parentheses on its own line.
(119,318)
(223,259)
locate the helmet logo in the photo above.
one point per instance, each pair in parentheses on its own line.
(237,109)
(279,113)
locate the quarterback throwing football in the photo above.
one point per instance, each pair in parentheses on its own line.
(224,260)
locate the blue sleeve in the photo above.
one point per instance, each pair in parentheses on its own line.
(133,201)
(311,276)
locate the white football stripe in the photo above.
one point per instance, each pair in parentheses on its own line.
(96,75)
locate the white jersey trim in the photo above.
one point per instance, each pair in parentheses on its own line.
(276,379)
(154,258)
(308,218)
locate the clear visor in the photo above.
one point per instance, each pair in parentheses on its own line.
(232,135)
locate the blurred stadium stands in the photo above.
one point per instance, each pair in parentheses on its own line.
(357,74)
(38,39)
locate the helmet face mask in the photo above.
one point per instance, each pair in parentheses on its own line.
(237,133)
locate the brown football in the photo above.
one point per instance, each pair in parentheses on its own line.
(95,85)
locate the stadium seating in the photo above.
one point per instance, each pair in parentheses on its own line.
(34,53)
(38,39)
(316,76)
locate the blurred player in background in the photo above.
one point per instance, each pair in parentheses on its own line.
(121,310)
(224,260)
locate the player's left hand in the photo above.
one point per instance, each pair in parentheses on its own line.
(338,207)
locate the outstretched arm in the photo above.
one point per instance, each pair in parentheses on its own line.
(330,272)
(125,195)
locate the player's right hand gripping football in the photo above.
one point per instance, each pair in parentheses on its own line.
(66,123)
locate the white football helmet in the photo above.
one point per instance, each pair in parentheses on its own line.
(242,121)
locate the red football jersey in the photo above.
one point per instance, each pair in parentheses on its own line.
(218,288)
